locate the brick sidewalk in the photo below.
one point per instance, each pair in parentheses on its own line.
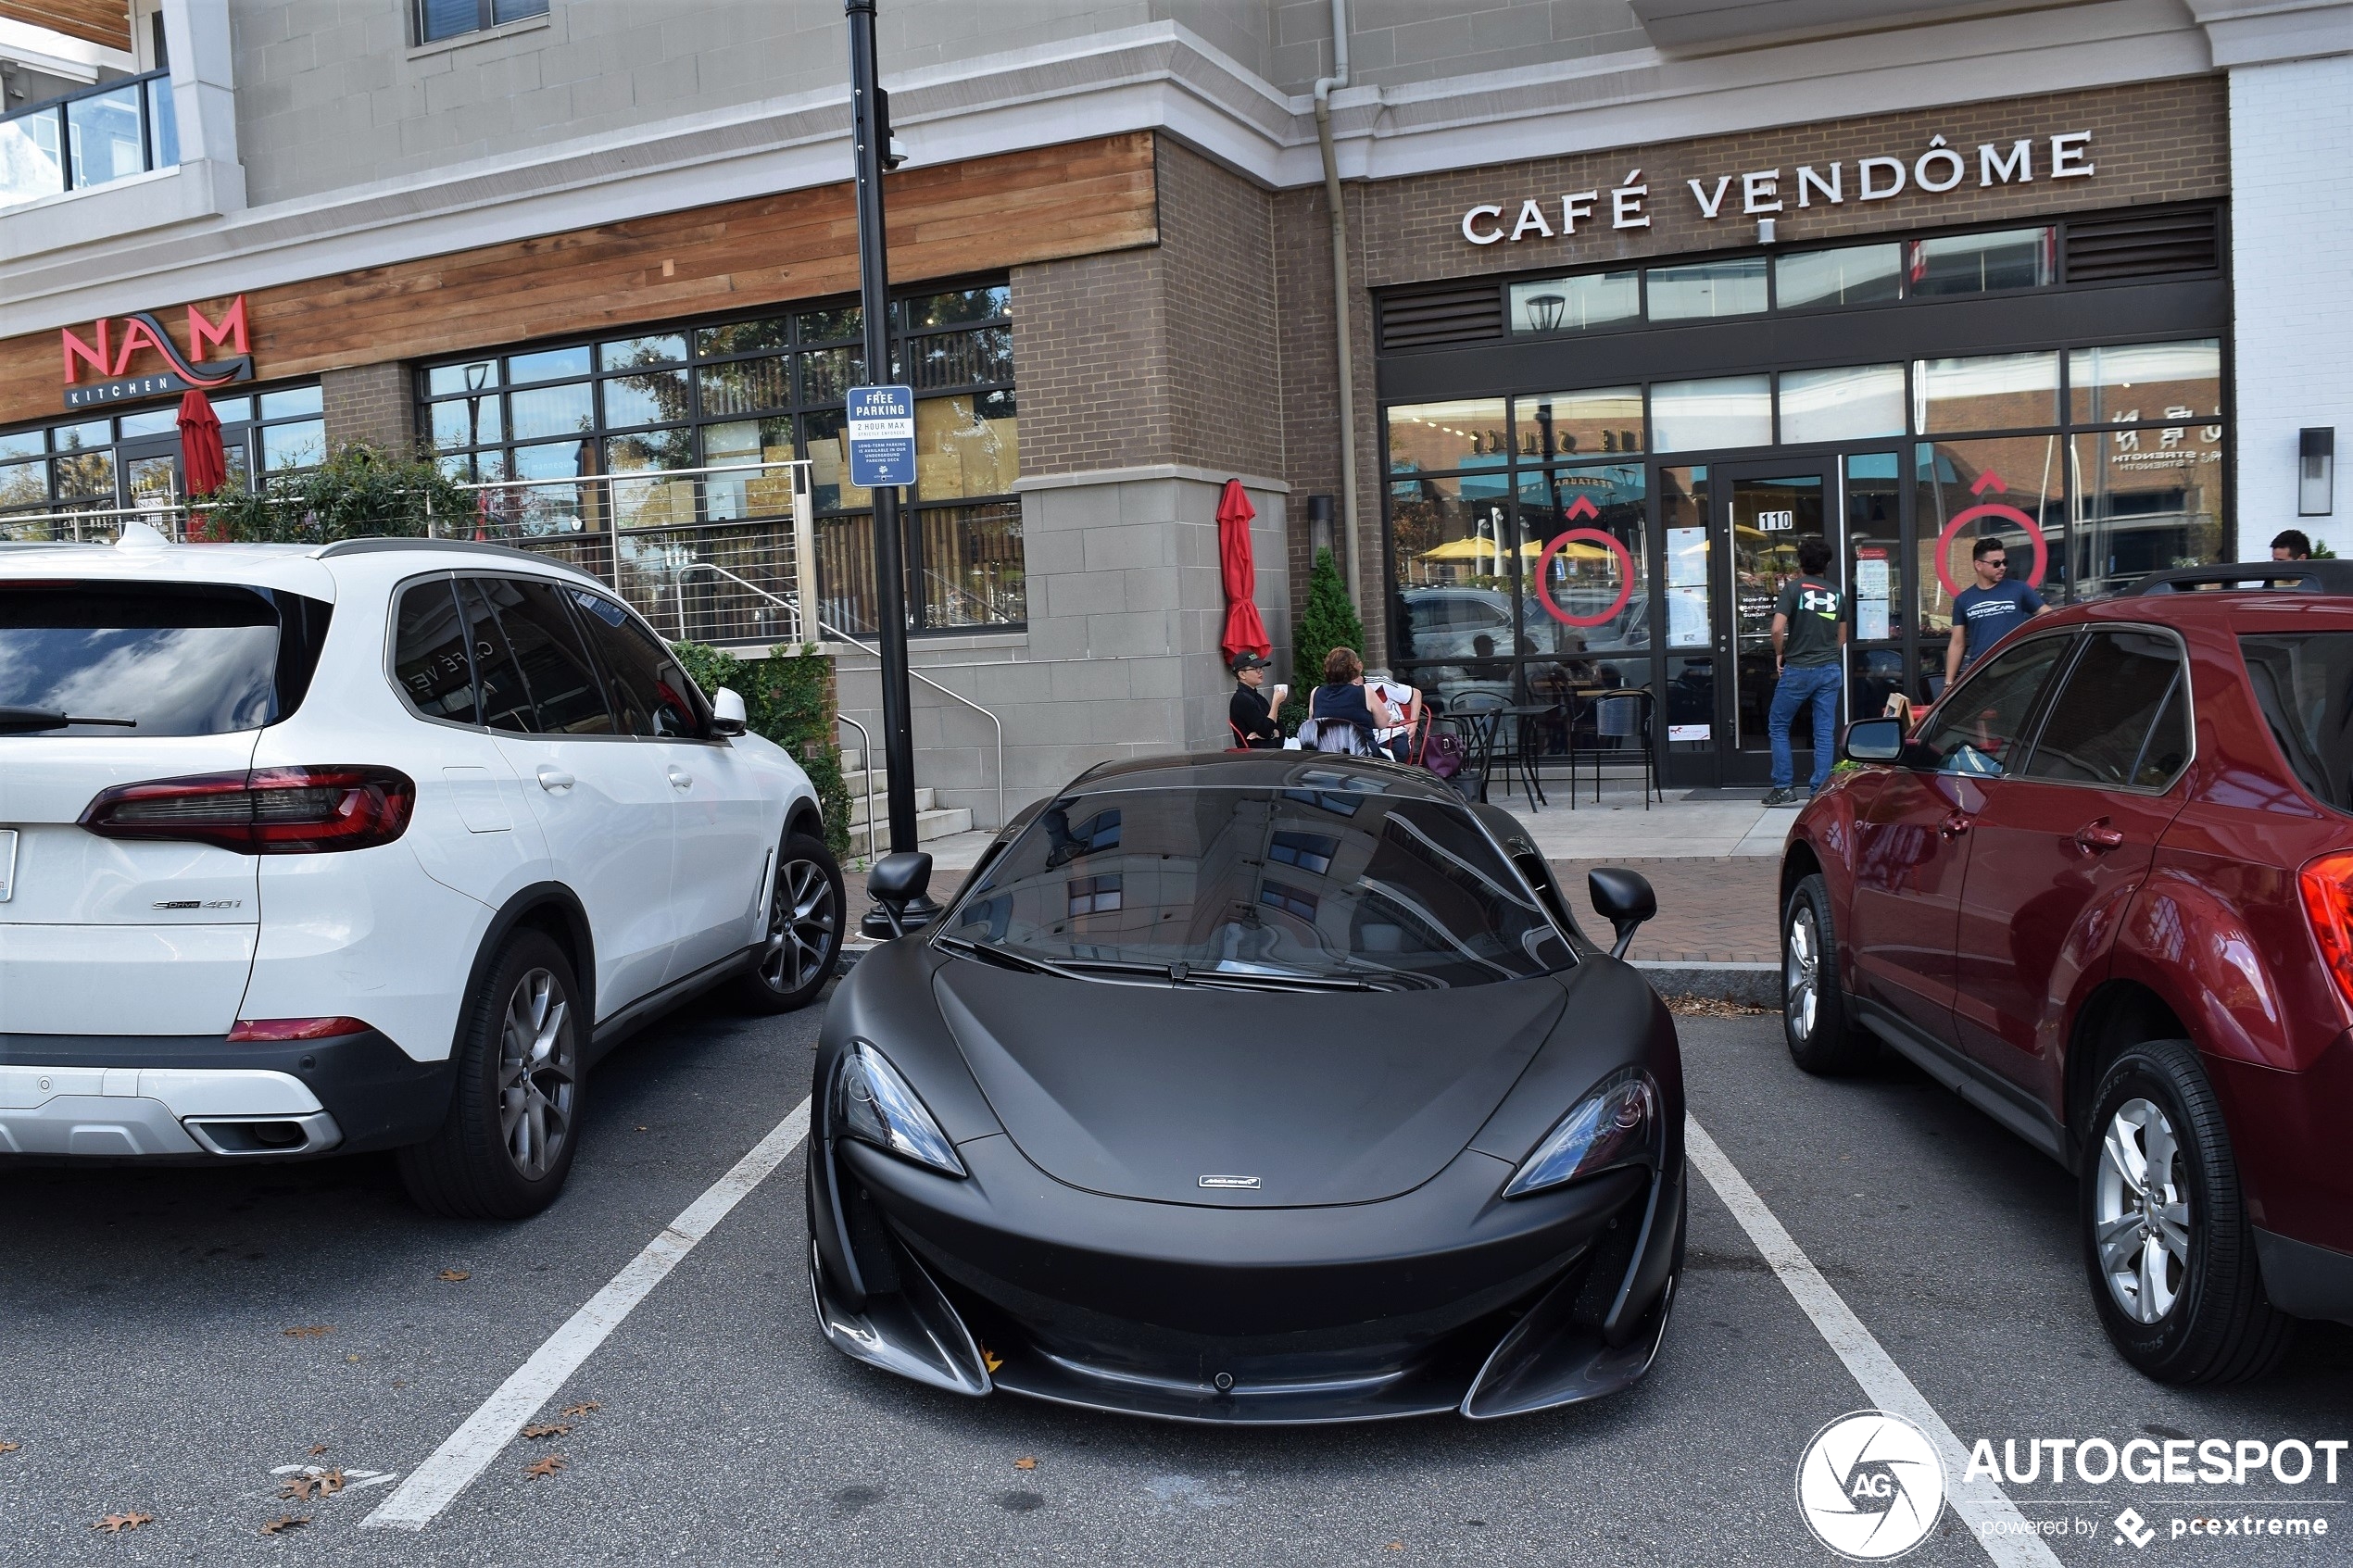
(1712,910)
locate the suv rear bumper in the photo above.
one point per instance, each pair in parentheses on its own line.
(203,1098)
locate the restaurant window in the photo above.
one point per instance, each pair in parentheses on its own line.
(644,418)
(438,20)
(1575,304)
(79,477)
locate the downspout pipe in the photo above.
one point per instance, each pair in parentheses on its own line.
(1342,342)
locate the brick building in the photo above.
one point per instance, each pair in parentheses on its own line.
(1639,292)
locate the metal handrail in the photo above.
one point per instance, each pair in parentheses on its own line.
(828,628)
(865,756)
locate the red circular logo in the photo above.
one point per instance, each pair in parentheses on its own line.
(2007,514)
(1544,585)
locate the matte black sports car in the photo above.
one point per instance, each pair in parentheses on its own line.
(1254,1087)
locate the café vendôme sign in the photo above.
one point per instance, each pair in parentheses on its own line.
(1762,193)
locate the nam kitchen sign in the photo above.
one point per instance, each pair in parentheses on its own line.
(116,342)
(1761,192)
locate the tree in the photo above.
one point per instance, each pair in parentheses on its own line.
(1328,621)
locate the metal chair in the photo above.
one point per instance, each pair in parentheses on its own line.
(1619,716)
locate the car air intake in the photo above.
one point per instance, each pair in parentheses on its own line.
(263,811)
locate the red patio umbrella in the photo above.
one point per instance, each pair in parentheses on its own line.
(1243,628)
(200,450)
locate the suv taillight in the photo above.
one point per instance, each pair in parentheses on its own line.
(264,811)
(2327,887)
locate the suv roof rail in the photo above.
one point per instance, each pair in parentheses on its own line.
(2293,576)
(371,547)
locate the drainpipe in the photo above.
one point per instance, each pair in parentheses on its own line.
(1324,86)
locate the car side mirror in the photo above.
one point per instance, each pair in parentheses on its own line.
(1875,740)
(728,712)
(896,882)
(1622,897)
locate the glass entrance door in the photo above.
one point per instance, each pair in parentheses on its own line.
(151,478)
(1762,512)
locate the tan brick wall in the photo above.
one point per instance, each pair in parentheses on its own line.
(2155,142)
(373,404)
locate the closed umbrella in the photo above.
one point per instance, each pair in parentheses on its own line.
(203,456)
(1243,628)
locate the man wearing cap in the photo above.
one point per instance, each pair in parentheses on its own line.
(1249,713)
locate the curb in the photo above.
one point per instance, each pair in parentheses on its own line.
(1752,985)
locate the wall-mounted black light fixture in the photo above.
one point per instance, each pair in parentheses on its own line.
(2316,472)
(1319,524)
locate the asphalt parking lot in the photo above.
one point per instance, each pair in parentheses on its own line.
(181,1344)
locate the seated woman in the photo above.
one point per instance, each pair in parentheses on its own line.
(1342,704)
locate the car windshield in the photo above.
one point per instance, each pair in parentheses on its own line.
(155,658)
(1337,883)
(2303,681)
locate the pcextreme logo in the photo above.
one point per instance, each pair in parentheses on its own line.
(1871,1486)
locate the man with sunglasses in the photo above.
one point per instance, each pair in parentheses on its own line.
(1986,613)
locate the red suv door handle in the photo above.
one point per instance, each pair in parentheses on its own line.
(1955,824)
(2094,836)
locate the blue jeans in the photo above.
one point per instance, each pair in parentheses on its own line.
(1800,685)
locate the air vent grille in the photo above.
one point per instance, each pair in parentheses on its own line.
(2112,248)
(1459,315)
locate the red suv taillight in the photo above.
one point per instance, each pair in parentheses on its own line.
(265,811)
(2327,885)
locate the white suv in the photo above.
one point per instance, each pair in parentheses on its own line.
(374,845)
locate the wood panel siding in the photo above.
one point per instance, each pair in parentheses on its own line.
(986,214)
(93,21)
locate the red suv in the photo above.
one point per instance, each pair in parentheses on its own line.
(2105,893)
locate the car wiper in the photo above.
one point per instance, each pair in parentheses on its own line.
(1232,981)
(27,720)
(989,952)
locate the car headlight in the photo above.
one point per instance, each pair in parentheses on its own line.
(873,1104)
(1616,1124)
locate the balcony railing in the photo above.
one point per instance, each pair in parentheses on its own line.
(90,138)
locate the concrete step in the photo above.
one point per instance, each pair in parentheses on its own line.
(941,821)
(925,800)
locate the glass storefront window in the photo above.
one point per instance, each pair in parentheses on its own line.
(2145,501)
(150,421)
(1455,580)
(445,380)
(292,402)
(130,461)
(22,444)
(23,484)
(232,411)
(2140,381)
(1435,437)
(761,492)
(744,386)
(1706,290)
(1689,694)
(825,326)
(466,422)
(2012,488)
(550,365)
(103,135)
(1990,392)
(970,571)
(2012,258)
(966,446)
(1875,550)
(957,306)
(302,445)
(1578,424)
(1575,305)
(743,337)
(1860,404)
(551,410)
(629,353)
(645,397)
(1693,416)
(1855,275)
(1582,598)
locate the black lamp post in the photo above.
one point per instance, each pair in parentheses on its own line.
(870,130)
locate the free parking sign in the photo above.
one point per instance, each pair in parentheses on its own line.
(882,436)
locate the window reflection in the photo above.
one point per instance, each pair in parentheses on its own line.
(2145,501)
(1575,305)
(1692,416)
(1435,437)
(2012,488)
(1706,290)
(1579,424)
(1989,392)
(1856,275)
(1850,405)
(2146,381)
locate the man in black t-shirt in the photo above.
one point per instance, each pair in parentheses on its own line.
(1809,628)
(1252,717)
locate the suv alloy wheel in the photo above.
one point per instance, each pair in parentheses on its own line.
(1822,1038)
(805,928)
(2166,1237)
(504,1149)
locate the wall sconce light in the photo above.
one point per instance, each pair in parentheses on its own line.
(1319,524)
(2316,472)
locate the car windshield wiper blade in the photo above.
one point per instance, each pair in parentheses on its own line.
(25,721)
(989,952)
(1264,982)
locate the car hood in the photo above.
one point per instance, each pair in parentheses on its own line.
(1140,1091)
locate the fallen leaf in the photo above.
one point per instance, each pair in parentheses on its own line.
(1394,1546)
(311,1331)
(641,1129)
(318,1449)
(454,1275)
(285,1521)
(587,1407)
(546,1429)
(548,1466)
(991,1359)
(329,1482)
(115,1524)
(315,1484)
(1024,1464)
(10,1448)
(353,1356)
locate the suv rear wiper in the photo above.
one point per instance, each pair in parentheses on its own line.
(25,721)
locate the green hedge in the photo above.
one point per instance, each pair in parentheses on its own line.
(357,492)
(788,699)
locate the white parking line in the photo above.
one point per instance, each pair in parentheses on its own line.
(1982,1505)
(436,1483)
